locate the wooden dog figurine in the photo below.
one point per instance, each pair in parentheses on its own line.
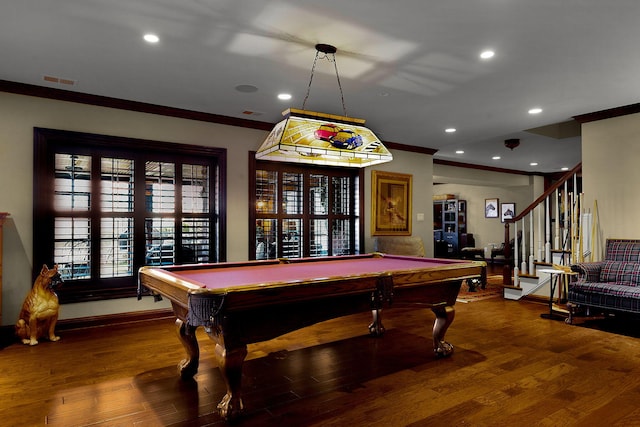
(39,313)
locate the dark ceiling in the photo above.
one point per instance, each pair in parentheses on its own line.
(411,68)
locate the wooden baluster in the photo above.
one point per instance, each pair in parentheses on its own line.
(540,234)
(547,242)
(516,270)
(577,256)
(531,258)
(506,269)
(523,262)
(556,237)
(581,230)
(565,231)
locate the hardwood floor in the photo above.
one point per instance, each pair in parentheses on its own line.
(510,367)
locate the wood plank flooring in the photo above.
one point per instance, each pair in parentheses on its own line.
(510,367)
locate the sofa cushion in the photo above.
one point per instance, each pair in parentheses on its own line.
(609,289)
(625,273)
(606,296)
(623,250)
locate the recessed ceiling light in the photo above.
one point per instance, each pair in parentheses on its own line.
(536,110)
(151,38)
(564,169)
(487,54)
(284,96)
(533,164)
(450,130)
(495,158)
(459,151)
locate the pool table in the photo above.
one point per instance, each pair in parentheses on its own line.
(245,302)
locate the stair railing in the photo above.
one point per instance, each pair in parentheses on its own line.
(564,238)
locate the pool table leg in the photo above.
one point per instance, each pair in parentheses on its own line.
(376,328)
(444,317)
(187,335)
(230,360)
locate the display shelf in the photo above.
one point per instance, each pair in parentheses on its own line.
(449,223)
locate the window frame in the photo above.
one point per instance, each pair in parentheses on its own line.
(47,142)
(331,171)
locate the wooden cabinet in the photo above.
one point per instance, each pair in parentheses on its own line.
(449,223)
(3,216)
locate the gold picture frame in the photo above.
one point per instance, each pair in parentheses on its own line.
(390,203)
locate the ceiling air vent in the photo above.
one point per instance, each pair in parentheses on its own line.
(61,81)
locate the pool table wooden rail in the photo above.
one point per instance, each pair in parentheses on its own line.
(178,290)
(268,293)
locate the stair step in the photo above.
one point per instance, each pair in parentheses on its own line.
(542,264)
(513,293)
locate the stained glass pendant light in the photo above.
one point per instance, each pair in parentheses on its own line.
(324,139)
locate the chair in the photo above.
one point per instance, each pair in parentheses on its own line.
(500,251)
(399,245)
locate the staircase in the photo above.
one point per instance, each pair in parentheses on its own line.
(536,284)
(555,229)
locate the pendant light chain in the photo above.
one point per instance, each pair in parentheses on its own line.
(335,65)
(313,68)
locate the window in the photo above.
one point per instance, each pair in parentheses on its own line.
(302,212)
(105,206)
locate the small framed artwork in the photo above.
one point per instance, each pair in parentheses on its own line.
(391,204)
(507,211)
(491,208)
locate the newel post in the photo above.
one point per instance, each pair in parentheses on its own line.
(506,269)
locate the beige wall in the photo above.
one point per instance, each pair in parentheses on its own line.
(421,168)
(611,173)
(20,114)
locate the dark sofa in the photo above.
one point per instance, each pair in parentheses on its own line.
(610,285)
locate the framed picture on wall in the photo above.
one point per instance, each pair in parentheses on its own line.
(507,211)
(491,208)
(391,204)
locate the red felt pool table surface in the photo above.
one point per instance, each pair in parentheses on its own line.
(228,279)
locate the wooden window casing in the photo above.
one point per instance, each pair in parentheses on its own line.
(104,206)
(304,210)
